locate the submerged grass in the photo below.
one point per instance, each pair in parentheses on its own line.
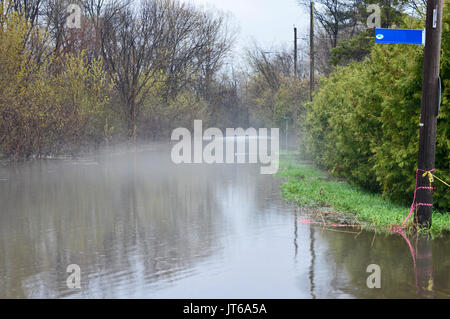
(308,186)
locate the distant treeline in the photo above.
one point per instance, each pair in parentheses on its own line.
(363,123)
(133,70)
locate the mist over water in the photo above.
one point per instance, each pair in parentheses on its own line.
(140,226)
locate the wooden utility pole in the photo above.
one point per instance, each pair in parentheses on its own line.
(133,99)
(295,85)
(295,53)
(430,100)
(311,53)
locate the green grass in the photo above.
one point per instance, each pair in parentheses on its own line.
(308,186)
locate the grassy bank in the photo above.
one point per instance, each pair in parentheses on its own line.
(310,187)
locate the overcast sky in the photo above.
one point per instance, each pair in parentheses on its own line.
(268,22)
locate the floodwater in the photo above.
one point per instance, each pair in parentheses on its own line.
(139,226)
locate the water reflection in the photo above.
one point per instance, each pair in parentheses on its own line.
(424,267)
(122,221)
(296,232)
(140,226)
(407,265)
(313,258)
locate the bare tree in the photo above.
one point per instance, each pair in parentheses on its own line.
(335,16)
(30,8)
(271,65)
(97,11)
(218,39)
(191,35)
(134,51)
(419,7)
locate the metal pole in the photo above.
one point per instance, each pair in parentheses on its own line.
(295,113)
(287,127)
(295,77)
(311,53)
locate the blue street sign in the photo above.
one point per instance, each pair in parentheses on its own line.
(400,36)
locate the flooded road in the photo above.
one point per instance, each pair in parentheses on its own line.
(142,227)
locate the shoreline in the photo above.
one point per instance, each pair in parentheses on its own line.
(336,201)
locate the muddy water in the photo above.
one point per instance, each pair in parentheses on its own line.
(139,226)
